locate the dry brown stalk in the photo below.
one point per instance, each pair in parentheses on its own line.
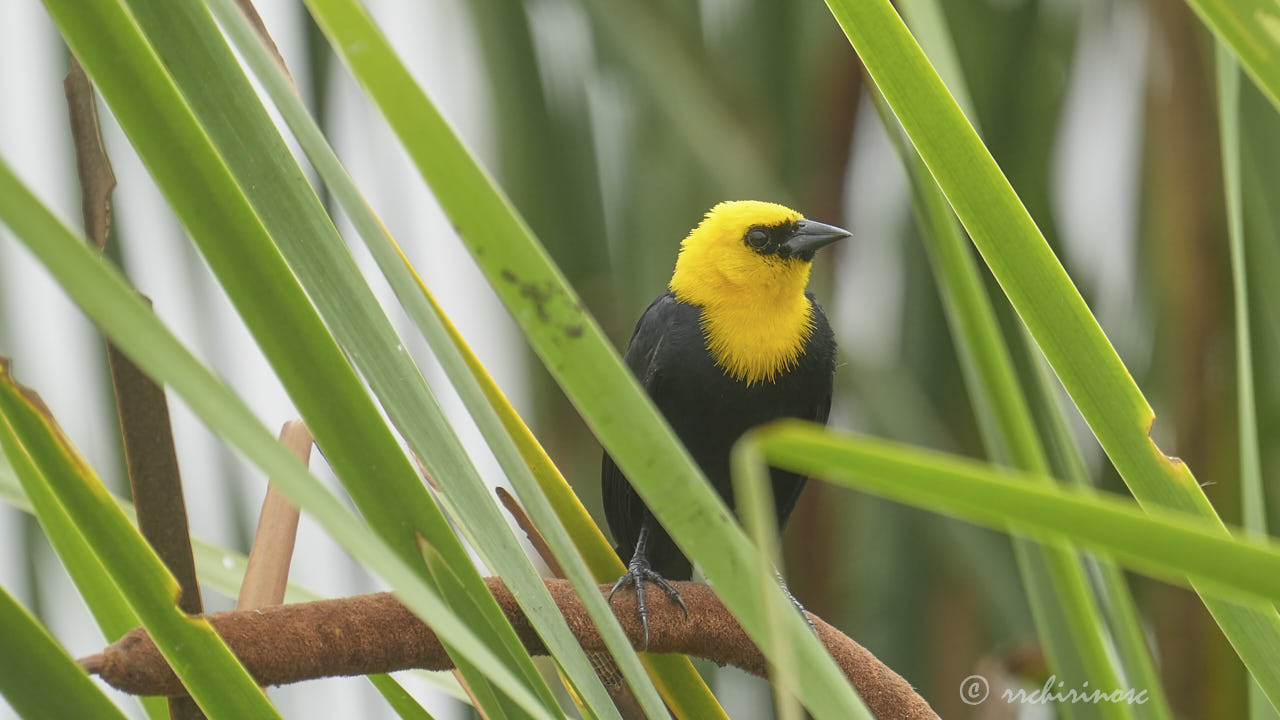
(267,574)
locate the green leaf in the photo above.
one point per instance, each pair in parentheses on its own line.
(223,570)
(682,687)
(1166,544)
(1066,616)
(41,681)
(1252,501)
(753,499)
(188,41)
(1046,300)
(113,306)
(400,700)
(109,608)
(40,456)
(1074,633)
(572,347)
(236,206)
(489,532)
(1251,28)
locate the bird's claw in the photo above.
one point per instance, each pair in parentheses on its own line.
(639,573)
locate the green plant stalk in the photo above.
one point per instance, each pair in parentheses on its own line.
(109,608)
(312,247)
(928,23)
(682,687)
(448,348)
(41,681)
(753,497)
(1166,544)
(1251,29)
(399,699)
(1066,615)
(1044,297)
(223,571)
(1253,498)
(989,368)
(204,193)
(108,300)
(40,456)
(1113,590)
(1253,501)
(573,348)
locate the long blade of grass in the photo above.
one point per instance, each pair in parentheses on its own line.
(1005,413)
(206,666)
(449,351)
(682,687)
(753,499)
(1167,544)
(1252,499)
(109,608)
(573,348)
(188,41)
(223,570)
(399,699)
(1066,616)
(1128,633)
(235,230)
(1044,297)
(41,681)
(112,305)
(1251,28)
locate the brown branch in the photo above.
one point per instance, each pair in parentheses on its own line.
(375,633)
(92,165)
(154,477)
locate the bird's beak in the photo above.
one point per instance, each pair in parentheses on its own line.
(811,235)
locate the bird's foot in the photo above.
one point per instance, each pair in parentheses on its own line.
(638,574)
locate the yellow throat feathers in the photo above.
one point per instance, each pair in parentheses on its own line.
(755,316)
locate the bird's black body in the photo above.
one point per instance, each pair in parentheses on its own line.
(709,411)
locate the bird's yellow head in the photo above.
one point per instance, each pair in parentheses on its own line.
(746,265)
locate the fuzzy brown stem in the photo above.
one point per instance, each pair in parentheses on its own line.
(375,633)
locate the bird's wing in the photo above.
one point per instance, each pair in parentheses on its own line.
(623,508)
(646,340)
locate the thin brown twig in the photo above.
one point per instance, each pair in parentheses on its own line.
(376,633)
(250,12)
(93,167)
(523,521)
(154,476)
(624,698)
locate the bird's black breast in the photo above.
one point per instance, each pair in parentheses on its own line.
(710,410)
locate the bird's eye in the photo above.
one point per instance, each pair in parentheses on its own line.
(757,238)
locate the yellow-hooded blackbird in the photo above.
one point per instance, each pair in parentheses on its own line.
(735,342)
